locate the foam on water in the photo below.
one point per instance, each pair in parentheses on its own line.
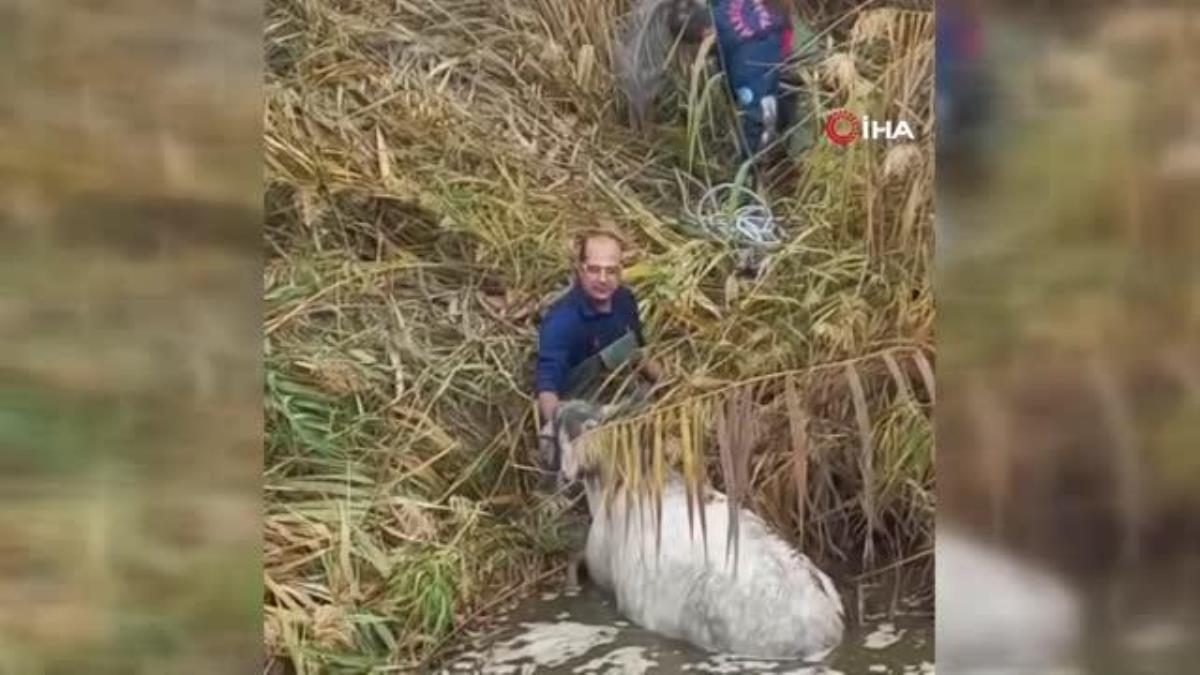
(627,660)
(586,635)
(548,644)
(883,637)
(728,663)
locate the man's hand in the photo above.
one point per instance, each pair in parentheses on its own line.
(548,448)
(651,369)
(547,443)
(547,405)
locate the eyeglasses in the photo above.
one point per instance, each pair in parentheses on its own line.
(601,270)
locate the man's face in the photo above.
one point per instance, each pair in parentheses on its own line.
(600,269)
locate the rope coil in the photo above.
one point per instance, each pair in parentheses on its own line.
(749,223)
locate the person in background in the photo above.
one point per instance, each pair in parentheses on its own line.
(754,41)
(587,333)
(961,93)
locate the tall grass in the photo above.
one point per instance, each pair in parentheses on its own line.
(426,166)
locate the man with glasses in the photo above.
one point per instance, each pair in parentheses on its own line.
(590,331)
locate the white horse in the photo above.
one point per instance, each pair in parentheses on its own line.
(778,605)
(998,614)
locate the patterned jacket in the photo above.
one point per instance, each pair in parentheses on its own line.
(738,21)
(750,19)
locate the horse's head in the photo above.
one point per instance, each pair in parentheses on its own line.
(573,419)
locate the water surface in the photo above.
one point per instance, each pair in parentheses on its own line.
(583,634)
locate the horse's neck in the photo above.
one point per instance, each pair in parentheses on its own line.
(600,501)
(594,490)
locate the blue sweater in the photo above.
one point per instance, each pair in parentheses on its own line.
(573,330)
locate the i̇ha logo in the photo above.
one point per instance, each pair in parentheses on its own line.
(843,127)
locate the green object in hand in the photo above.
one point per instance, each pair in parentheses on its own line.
(620,351)
(584,377)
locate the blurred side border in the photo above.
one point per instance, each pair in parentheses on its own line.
(130,386)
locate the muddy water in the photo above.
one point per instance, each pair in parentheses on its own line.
(583,634)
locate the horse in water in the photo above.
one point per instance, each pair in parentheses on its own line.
(776,604)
